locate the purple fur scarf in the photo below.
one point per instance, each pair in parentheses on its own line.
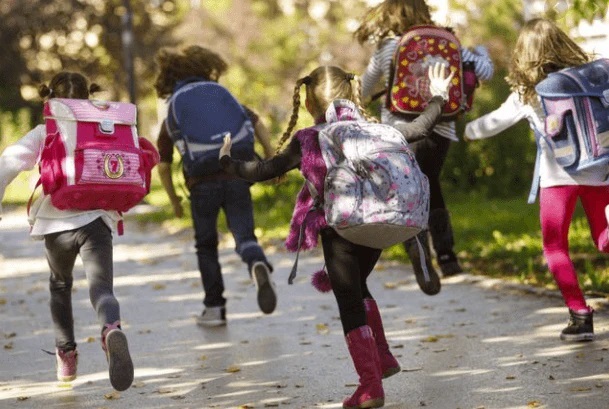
(313,168)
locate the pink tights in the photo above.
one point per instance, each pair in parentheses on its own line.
(556,207)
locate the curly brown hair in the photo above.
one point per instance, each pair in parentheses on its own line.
(68,84)
(392,17)
(324,85)
(191,61)
(542,47)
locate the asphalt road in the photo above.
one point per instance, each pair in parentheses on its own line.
(479,344)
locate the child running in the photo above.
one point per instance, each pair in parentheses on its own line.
(543,48)
(384,24)
(334,95)
(212,190)
(68,234)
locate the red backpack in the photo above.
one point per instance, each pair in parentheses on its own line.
(93,157)
(418,49)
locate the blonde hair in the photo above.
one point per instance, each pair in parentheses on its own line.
(192,61)
(324,85)
(392,17)
(542,47)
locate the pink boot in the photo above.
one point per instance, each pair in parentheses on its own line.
(389,365)
(369,393)
(120,366)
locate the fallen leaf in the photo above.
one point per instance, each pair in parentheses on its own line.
(510,377)
(322,329)
(581,389)
(533,404)
(90,340)
(159,286)
(233,369)
(22,398)
(112,395)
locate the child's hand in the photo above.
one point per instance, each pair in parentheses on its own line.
(225,149)
(438,84)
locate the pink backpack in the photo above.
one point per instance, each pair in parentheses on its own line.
(93,157)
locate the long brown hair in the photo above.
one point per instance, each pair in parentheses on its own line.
(392,17)
(542,47)
(324,85)
(192,61)
(68,84)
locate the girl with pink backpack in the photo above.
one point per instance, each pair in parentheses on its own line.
(333,96)
(72,232)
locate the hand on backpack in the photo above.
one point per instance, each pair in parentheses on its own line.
(438,83)
(225,149)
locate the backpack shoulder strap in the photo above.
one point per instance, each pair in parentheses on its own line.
(535,183)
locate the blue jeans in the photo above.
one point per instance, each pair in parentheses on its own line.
(206,200)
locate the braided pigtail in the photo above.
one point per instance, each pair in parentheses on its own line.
(357,97)
(294,118)
(93,88)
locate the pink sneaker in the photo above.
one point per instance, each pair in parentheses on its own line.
(66,365)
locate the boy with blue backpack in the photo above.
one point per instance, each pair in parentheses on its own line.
(200,113)
(564,96)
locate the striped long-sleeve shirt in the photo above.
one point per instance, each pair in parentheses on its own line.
(379,68)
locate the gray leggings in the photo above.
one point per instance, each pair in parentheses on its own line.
(94,244)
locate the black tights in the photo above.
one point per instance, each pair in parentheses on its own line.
(349,266)
(430,153)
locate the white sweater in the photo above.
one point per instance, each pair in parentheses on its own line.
(379,67)
(550,172)
(44,217)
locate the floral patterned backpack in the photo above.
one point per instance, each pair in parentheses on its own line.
(375,194)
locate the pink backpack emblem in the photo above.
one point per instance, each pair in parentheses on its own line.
(93,157)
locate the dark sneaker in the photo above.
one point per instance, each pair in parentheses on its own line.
(580,327)
(212,317)
(267,296)
(120,366)
(67,361)
(425,273)
(449,265)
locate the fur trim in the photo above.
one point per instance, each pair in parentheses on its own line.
(321,281)
(313,169)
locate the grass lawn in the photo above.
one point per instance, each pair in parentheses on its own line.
(494,237)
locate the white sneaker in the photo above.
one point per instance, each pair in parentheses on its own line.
(267,296)
(212,317)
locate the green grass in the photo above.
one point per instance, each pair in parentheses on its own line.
(494,237)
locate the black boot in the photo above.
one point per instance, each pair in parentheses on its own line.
(443,242)
(580,327)
(430,285)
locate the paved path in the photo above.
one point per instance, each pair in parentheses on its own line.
(476,345)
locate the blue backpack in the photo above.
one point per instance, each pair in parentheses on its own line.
(576,103)
(200,114)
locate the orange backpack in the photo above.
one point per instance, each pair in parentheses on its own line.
(418,49)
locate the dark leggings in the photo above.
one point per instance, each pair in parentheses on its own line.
(93,243)
(349,266)
(430,153)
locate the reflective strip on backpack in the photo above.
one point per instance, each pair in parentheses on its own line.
(243,133)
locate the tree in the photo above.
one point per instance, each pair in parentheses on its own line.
(41,38)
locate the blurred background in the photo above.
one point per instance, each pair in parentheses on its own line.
(268,45)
